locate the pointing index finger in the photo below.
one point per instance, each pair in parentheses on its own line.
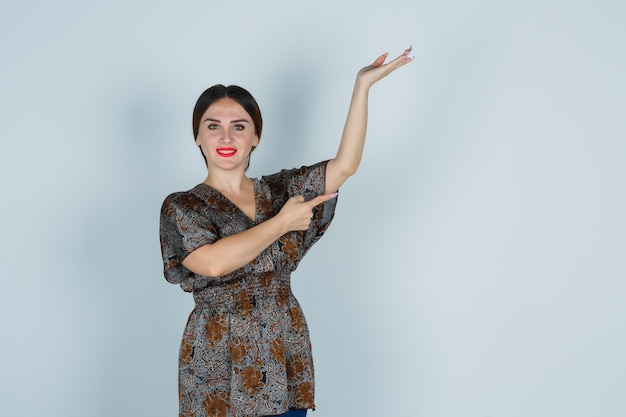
(322,199)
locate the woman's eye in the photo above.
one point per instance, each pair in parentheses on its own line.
(238,127)
(213,126)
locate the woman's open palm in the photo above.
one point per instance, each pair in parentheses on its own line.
(379,70)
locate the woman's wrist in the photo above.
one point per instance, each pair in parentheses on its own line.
(361,86)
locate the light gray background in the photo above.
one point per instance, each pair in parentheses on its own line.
(476,263)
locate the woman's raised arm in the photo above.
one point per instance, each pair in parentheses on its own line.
(352,142)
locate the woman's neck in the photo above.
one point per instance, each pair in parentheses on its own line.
(229,183)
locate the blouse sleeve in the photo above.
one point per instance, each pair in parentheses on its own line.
(308,181)
(184,228)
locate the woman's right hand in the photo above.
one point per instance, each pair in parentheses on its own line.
(297,214)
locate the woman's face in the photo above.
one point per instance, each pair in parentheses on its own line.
(226,135)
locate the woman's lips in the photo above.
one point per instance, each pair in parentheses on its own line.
(226,152)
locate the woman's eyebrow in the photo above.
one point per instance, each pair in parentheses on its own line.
(210,119)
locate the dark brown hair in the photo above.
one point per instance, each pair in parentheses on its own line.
(219,91)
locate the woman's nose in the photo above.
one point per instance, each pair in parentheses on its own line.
(226,136)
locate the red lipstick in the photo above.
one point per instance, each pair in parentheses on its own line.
(226,152)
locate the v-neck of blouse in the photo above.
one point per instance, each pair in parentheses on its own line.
(255,190)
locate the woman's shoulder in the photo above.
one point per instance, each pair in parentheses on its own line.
(184,200)
(307,180)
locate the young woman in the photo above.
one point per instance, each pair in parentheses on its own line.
(233,241)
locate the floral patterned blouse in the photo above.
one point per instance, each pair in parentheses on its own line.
(246,349)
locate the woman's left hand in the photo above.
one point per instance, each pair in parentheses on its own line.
(378,70)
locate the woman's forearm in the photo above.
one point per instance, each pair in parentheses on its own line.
(350,151)
(232,252)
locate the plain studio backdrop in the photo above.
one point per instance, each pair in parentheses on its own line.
(476,264)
